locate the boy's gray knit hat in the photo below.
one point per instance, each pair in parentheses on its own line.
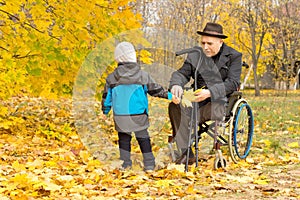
(125,52)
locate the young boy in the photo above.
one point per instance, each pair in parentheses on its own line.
(126,92)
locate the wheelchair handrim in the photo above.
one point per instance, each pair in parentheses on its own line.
(250,134)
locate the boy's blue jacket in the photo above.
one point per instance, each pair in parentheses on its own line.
(126,92)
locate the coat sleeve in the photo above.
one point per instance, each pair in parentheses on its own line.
(156,90)
(106,99)
(182,76)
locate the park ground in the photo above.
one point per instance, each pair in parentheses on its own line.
(43,156)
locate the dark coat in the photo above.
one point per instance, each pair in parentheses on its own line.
(221,76)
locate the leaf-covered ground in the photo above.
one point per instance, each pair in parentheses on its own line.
(43,157)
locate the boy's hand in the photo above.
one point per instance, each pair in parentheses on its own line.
(103,116)
(175,99)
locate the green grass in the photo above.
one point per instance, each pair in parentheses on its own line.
(277,120)
(274,111)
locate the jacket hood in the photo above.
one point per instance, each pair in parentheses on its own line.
(127,70)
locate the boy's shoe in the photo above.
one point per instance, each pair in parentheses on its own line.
(122,169)
(149,169)
(125,168)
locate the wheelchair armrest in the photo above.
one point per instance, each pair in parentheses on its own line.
(236,93)
(233,97)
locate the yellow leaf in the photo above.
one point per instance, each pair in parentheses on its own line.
(19,195)
(190,189)
(65,178)
(293,145)
(35,164)
(145,57)
(17,166)
(51,163)
(260,182)
(188,97)
(85,156)
(267,143)
(3,110)
(52,187)
(93,164)
(186,103)
(173,166)
(20,180)
(164,183)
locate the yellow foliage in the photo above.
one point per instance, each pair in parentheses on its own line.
(44,43)
(145,57)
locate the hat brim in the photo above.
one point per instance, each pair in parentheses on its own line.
(212,35)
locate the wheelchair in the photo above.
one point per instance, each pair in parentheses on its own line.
(236,132)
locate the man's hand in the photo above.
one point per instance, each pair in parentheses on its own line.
(202,95)
(177,91)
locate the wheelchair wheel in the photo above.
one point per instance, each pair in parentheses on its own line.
(240,130)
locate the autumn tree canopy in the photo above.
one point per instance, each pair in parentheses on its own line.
(43,43)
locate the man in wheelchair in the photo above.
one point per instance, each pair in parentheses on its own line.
(216,68)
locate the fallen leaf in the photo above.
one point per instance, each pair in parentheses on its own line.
(52,187)
(294,145)
(261,182)
(17,166)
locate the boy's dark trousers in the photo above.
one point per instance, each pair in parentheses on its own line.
(145,146)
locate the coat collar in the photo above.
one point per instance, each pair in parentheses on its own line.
(224,56)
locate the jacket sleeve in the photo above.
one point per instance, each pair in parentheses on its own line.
(156,90)
(106,99)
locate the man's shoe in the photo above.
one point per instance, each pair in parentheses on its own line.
(182,160)
(192,160)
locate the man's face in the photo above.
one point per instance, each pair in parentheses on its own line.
(211,45)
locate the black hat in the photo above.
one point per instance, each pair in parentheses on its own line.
(213,29)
